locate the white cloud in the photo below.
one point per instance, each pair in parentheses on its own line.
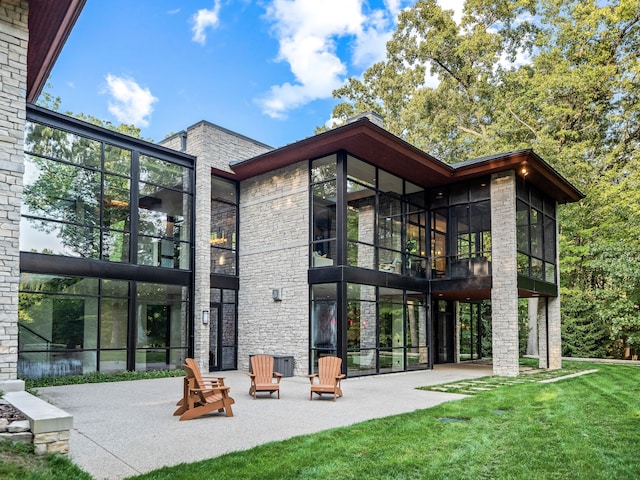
(456,5)
(308,31)
(204,19)
(174,11)
(131,103)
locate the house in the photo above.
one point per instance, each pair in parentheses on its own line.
(123,254)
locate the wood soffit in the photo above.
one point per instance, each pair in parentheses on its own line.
(376,145)
(50,23)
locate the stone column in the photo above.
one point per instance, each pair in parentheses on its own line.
(543,343)
(555,333)
(504,292)
(14,38)
(532,342)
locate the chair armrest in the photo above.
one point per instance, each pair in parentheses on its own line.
(252,375)
(311,377)
(221,388)
(211,378)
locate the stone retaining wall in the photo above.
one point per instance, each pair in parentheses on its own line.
(44,425)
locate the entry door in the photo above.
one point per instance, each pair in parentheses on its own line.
(444,332)
(222,337)
(215,327)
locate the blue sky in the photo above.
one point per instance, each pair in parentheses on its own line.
(265,69)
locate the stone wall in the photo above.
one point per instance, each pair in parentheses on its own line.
(504,291)
(214,147)
(13,84)
(274,254)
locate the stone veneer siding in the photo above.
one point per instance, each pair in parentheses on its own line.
(214,147)
(504,291)
(274,253)
(14,38)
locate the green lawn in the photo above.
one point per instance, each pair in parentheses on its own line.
(586,427)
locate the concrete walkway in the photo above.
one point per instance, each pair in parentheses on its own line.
(122,429)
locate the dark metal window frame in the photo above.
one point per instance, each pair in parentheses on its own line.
(86,267)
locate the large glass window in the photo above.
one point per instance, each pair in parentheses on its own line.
(324,213)
(461,233)
(324,321)
(386,330)
(417,339)
(113,203)
(161,326)
(386,224)
(77,325)
(536,234)
(57,325)
(362,321)
(223,238)
(391,334)
(78,201)
(163,206)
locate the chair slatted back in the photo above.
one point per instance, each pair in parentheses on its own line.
(262,368)
(328,369)
(192,365)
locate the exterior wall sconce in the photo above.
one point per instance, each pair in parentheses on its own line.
(276,293)
(205,317)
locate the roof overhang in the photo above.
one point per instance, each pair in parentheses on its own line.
(528,166)
(362,139)
(50,23)
(376,145)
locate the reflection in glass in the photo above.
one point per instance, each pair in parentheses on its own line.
(223,235)
(63,326)
(361,172)
(58,144)
(161,326)
(324,223)
(323,169)
(160,172)
(117,160)
(324,318)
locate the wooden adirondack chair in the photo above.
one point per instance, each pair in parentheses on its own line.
(329,376)
(263,378)
(202,395)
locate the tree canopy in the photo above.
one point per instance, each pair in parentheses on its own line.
(558,76)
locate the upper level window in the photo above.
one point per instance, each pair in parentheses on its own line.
(461,230)
(223,237)
(81,198)
(385,218)
(536,234)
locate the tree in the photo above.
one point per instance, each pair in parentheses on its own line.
(559,76)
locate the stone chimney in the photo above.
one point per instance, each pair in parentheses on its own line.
(372,116)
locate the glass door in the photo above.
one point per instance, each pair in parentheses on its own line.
(215,310)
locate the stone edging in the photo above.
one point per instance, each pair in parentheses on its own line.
(47,427)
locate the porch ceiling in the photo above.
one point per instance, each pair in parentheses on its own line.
(50,23)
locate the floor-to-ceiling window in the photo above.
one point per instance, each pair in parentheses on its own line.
(374,225)
(106,251)
(223,325)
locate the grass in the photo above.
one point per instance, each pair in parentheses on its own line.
(18,462)
(584,427)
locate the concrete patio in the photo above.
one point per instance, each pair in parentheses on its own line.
(126,428)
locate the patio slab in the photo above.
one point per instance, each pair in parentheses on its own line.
(122,429)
